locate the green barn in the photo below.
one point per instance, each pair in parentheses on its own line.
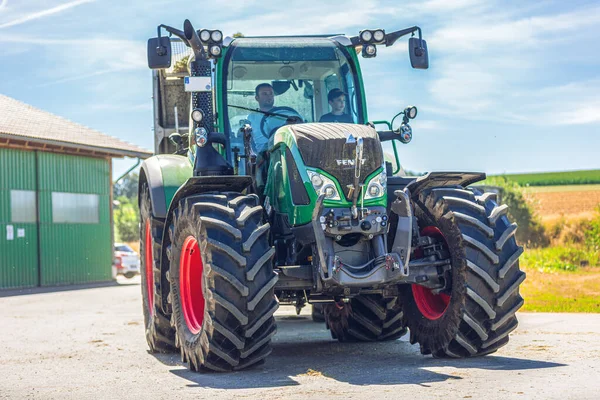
(56,223)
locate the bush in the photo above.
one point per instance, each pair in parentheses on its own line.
(592,233)
(531,232)
(560,258)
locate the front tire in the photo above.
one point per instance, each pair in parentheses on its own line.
(222,282)
(477,314)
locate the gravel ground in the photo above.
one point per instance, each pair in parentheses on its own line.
(89,343)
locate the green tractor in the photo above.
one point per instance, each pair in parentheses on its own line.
(248,206)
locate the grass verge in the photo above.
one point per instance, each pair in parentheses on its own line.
(561,291)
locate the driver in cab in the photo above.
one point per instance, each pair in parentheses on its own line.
(265,96)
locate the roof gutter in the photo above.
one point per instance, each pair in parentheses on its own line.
(139,160)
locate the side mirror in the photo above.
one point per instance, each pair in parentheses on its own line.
(417,50)
(159,53)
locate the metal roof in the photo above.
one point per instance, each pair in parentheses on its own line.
(22,123)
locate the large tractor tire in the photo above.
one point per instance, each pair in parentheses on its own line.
(366,318)
(159,333)
(222,281)
(317,313)
(477,313)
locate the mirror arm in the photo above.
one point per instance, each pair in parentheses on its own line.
(391,38)
(173,31)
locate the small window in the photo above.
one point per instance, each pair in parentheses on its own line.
(75,208)
(22,206)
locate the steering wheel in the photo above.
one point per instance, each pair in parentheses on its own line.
(270,123)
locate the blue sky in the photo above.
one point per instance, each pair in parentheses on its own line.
(513,86)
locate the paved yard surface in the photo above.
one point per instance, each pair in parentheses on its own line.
(89,343)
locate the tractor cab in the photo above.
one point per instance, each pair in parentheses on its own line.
(296,75)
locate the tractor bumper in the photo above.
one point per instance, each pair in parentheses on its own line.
(384,269)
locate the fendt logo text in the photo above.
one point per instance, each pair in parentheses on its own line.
(350,163)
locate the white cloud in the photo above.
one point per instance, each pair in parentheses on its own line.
(41,14)
(85,58)
(490,69)
(525,32)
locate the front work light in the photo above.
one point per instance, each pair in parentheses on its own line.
(205,35)
(216,36)
(365,36)
(379,36)
(369,51)
(411,112)
(197,115)
(215,51)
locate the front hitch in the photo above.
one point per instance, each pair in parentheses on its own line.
(384,268)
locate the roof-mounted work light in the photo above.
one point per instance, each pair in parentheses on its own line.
(213,39)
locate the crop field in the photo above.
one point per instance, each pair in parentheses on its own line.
(572,201)
(557,178)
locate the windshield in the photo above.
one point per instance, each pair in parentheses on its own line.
(124,248)
(299,77)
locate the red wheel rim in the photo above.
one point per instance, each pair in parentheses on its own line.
(190,284)
(431,305)
(149,262)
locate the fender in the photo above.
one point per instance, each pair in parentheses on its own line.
(164,174)
(443,179)
(195,185)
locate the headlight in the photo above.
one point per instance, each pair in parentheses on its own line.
(316,181)
(323,185)
(377,186)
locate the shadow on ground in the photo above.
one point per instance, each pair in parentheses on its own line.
(302,345)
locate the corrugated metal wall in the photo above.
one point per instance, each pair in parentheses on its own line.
(18,240)
(70,252)
(74,252)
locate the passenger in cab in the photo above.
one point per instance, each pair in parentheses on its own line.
(337,102)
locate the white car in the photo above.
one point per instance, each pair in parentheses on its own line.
(126,261)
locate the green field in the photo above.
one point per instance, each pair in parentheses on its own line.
(556,178)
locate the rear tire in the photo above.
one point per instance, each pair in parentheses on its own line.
(222,281)
(479,313)
(317,313)
(159,333)
(367,318)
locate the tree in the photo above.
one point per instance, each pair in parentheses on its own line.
(127,219)
(126,211)
(127,187)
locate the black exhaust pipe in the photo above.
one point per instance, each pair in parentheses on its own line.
(192,37)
